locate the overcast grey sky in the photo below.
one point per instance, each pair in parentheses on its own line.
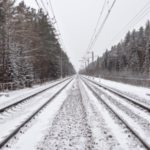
(77,20)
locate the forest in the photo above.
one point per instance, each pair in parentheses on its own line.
(29,46)
(130,58)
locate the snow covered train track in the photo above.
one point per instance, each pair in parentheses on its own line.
(135,117)
(13,120)
(76,119)
(83,123)
(141,103)
(24,100)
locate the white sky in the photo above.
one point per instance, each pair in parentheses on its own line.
(77,20)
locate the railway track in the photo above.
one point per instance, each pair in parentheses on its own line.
(93,86)
(70,129)
(80,124)
(24,100)
(33,115)
(140,104)
(76,125)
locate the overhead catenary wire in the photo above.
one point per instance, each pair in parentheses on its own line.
(51,8)
(44,6)
(48,3)
(97,24)
(57,25)
(101,27)
(120,36)
(37,4)
(141,14)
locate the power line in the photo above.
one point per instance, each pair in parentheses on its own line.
(60,38)
(44,6)
(37,4)
(51,8)
(97,24)
(124,32)
(142,13)
(99,31)
(57,25)
(101,27)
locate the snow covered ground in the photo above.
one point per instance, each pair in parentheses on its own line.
(70,129)
(130,90)
(135,117)
(76,120)
(13,117)
(113,134)
(17,95)
(37,128)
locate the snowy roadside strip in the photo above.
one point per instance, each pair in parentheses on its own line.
(12,104)
(122,116)
(12,134)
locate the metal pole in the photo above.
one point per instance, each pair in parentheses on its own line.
(149,72)
(61,66)
(67,69)
(88,67)
(85,67)
(93,62)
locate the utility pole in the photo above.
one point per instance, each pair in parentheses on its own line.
(88,63)
(67,69)
(68,72)
(93,63)
(85,67)
(88,68)
(85,64)
(149,72)
(61,65)
(83,61)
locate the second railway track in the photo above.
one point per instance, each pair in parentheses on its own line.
(142,104)
(139,126)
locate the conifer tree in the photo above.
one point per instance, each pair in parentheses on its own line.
(146,65)
(29,47)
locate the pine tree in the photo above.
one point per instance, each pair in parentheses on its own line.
(135,62)
(146,66)
(29,48)
(147,31)
(141,47)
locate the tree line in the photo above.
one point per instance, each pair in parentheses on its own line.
(129,58)
(29,46)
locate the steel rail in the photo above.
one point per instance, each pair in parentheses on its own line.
(32,116)
(127,124)
(27,98)
(120,95)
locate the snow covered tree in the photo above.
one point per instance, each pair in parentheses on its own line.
(29,47)
(141,47)
(146,66)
